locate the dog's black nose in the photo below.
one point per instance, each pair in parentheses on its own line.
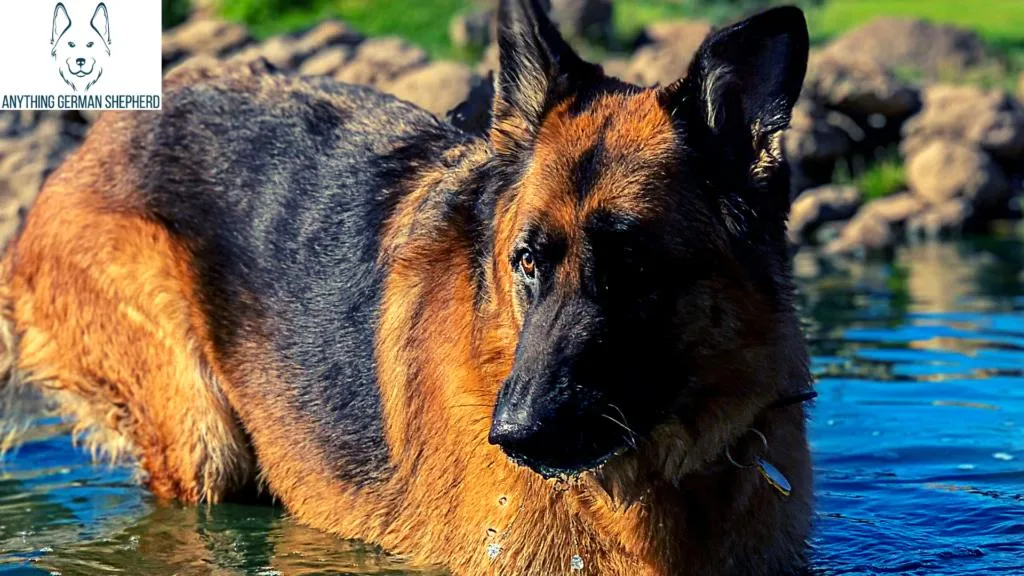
(80,61)
(511,430)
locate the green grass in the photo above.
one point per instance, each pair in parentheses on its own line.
(875,178)
(1000,22)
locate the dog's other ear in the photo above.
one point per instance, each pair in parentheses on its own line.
(101,22)
(61,23)
(742,85)
(536,65)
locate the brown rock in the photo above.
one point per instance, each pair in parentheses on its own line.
(859,87)
(814,136)
(583,18)
(472,28)
(820,205)
(816,140)
(27,159)
(380,60)
(667,58)
(616,67)
(877,224)
(205,37)
(489,62)
(437,87)
(325,35)
(326,62)
(989,119)
(900,43)
(866,232)
(679,32)
(944,170)
(945,219)
(281,52)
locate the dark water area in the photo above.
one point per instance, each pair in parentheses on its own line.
(918,438)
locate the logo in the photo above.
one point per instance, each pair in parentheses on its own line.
(81,55)
(80,50)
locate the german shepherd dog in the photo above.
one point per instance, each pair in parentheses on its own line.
(569,345)
(80,49)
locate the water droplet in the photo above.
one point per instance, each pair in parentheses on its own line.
(502,500)
(576,563)
(493,550)
(1005,457)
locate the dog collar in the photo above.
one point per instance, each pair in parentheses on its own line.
(772,475)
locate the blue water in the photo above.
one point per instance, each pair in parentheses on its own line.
(918,437)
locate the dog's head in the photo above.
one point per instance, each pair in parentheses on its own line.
(639,244)
(80,48)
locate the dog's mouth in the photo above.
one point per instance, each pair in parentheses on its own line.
(549,470)
(81,73)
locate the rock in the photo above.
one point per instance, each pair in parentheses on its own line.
(816,140)
(326,62)
(472,29)
(204,37)
(905,44)
(657,64)
(26,159)
(326,34)
(281,52)
(815,135)
(941,220)
(473,115)
(877,225)
(437,87)
(667,57)
(989,119)
(583,18)
(616,67)
(489,61)
(380,60)
(866,232)
(945,170)
(820,205)
(680,32)
(860,87)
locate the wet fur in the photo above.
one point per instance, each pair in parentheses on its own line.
(305,285)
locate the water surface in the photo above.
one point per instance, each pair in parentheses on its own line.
(918,437)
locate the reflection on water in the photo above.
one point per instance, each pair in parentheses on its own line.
(918,438)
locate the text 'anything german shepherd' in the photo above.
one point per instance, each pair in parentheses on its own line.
(566,339)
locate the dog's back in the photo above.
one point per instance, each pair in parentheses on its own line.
(240,226)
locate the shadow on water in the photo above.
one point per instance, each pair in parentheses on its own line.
(918,438)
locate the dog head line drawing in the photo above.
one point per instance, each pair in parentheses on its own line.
(80,50)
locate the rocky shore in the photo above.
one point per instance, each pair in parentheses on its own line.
(961,146)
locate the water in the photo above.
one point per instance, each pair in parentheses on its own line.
(918,438)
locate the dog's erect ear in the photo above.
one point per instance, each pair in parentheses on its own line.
(61,23)
(101,22)
(536,63)
(743,83)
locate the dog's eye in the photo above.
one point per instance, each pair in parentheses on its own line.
(89,45)
(527,264)
(72,44)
